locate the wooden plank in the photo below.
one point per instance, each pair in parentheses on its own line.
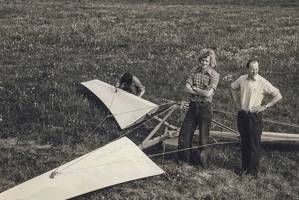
(266,136)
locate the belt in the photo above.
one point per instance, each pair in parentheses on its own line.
(201,101)
(247,112)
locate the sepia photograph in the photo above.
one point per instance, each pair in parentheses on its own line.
(149,99)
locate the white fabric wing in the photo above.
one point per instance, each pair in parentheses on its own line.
(114,163)
(126,108)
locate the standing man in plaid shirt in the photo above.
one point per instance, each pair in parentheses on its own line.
(201,85)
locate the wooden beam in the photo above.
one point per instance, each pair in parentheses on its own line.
(149,141)
(266,137)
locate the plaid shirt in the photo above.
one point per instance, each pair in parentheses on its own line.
(204,80)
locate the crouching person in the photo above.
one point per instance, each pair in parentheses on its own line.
(131,84)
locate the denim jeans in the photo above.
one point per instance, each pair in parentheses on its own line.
(250,127)
(199,115)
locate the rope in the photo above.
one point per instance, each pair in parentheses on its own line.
(266,120)
(130,111)
(184,103)
(282,123)
(139,158)
(112,98)
(55,172)
(138,125)
(101,123)
(190,148)
(150,156)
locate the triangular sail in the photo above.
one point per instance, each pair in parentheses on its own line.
(126,108)
(117,162)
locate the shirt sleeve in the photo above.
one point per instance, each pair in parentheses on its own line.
(120,80)
(190,79)
(138,84)
(214,81)
(270,89)
(236,84)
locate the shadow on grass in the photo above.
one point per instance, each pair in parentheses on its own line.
(283,146)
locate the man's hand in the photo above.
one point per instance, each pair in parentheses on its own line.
(201,92)
(258,109)
(188,89)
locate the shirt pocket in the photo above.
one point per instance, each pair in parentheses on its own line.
(205,81)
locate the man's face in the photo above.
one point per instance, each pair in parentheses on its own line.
(205,62)
(253,69)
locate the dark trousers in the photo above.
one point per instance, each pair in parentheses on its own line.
(250,126)
(199,114)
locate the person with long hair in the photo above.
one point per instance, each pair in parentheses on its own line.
(201,85)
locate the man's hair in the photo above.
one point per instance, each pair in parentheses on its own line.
(208,52)
(126,78)
(251,61)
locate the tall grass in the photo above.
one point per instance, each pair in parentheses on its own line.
(49,47)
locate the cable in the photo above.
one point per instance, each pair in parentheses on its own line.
(55,172)
(265,120)
(195,147)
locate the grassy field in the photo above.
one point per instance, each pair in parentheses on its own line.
(49,47)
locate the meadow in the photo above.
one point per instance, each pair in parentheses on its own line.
(48,47)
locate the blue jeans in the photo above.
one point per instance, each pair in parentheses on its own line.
(199,115)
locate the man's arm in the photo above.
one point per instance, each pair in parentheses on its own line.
(140,87)
(274,92)
(142,91)
(211,88)
(273,101)
(188,89)
(205,93)
(234,97)
(234,92)
(117,84)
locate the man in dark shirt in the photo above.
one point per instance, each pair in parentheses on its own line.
(131,84)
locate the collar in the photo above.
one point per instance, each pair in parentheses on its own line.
(209,70)
(253,79)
